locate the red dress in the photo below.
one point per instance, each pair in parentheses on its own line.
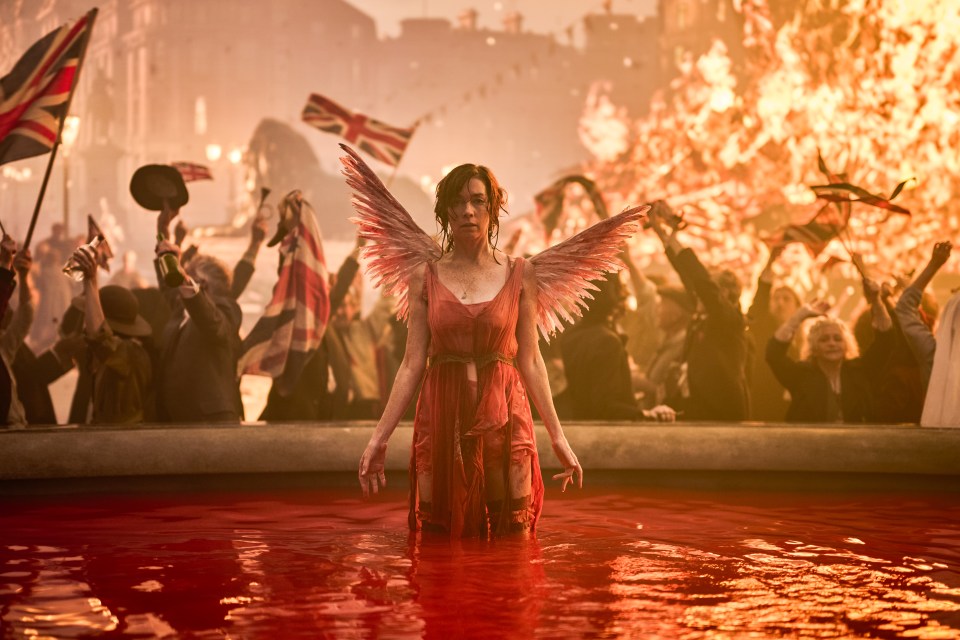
(464,429)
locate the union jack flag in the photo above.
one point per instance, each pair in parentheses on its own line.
(380,140)
(191,171)
(35,95)
(285,338)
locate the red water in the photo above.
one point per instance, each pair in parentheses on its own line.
(607,563)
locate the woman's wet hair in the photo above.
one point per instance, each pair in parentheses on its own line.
(448,196)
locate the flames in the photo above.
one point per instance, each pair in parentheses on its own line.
(873,84)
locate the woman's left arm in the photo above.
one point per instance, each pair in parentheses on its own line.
(533,371)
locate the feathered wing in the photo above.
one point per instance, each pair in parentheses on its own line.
(396,245)
(564,271)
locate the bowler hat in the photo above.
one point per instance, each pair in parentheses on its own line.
(122,311)
(152,183)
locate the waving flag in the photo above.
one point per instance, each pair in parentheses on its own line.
(816,234)
(191,171)
(291,328)
(35,95)
(380,140)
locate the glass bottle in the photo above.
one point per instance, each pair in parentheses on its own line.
(72,268)
(169,266)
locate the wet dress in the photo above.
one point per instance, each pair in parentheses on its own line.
(466,430)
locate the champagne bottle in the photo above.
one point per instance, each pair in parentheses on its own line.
(72,269)
(169,266)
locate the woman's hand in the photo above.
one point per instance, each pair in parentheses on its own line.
(814,308)
(941,253)
(372,476)
(573,472)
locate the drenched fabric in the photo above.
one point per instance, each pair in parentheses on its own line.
(467,430)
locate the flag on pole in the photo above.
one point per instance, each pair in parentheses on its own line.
(292,326)
(104,251)
(191,171)
(35,95)
(382,141)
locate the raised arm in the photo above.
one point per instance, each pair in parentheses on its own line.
(533,371)
(915,330)
(243,270)
(19,327)
(409,376)
(93,317)
(881,319)
(785,368)
(760,307)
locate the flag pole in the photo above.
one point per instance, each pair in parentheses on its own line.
(92,14)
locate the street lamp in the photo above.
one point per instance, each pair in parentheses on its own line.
(68,137)
(214,151)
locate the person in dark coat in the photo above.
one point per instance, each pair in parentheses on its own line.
(596,365)
(716,350)
(771,307)
(830,383)
(197,377)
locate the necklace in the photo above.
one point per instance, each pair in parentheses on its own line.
(461,285)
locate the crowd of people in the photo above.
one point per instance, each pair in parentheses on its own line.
(684,351)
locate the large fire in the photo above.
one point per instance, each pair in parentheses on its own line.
(873,84)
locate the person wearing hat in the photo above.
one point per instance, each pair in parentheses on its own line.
(119,363)
(196,368)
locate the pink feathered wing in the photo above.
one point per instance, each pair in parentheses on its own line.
(396,245)
(564,271)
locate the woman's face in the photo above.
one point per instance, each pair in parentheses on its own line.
(470,214)
(830,345)
(782,304)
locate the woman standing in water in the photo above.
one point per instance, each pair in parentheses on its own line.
(473,317)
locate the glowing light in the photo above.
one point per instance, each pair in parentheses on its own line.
(214,151)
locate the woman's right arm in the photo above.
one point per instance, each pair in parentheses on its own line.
(408,378)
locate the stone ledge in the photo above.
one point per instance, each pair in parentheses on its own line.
(254,448)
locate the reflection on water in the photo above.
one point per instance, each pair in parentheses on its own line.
(629,563)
